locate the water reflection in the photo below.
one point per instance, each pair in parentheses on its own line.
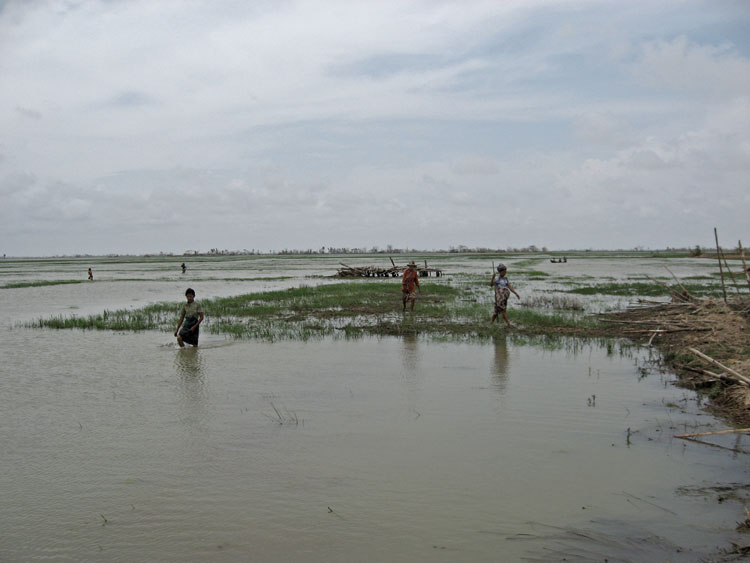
(189,366)
(189,362)
(500,365)
(418,440)
(410,353)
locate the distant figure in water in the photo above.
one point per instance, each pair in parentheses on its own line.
(183,267)
(91,274)
(503,290)
(192,315)
(410,285)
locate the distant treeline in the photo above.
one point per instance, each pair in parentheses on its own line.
(389,250)
(359,250)
(461,249)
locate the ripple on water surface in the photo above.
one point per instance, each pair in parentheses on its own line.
(123,447)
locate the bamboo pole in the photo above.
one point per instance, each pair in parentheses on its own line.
(721,271)
(672,291)
(664,330)
(713,362)
(729,271)
(717,376)
(744,265)
(650,340)
(735,450)
(678,283)
(734,431)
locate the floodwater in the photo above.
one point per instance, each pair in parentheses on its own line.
(122,447)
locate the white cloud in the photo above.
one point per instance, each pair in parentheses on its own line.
(690,68)
(596,128)
(76,208)
(475,165)
(438,123)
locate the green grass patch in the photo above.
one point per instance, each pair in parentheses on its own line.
(348,309)
(527,263)
(643,289)
(40,283)
(533,274)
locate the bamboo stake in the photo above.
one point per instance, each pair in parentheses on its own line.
(729,271)
(744,265)
(721,271)
(678,283)
(734,431)
(720,365)
(650,340)
(672,291)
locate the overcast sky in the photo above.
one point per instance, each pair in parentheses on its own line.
(146,126)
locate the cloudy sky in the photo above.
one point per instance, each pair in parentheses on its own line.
(146,126)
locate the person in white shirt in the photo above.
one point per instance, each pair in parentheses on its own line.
(503,289)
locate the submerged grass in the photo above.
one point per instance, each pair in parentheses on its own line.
(350,309)
(643,289)
(16,285)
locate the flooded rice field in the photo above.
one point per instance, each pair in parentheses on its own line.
(119,446)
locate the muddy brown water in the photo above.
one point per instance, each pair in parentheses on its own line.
(121,447)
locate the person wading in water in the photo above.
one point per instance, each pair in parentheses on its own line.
(192,315)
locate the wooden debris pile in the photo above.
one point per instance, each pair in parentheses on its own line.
(368,272)
(380,272)
(688,327)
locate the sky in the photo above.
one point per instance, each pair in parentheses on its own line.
(131,127)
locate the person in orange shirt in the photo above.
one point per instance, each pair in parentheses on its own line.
(410,285)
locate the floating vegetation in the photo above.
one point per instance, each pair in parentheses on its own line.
(287,417)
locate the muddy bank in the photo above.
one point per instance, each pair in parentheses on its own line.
(716,329)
